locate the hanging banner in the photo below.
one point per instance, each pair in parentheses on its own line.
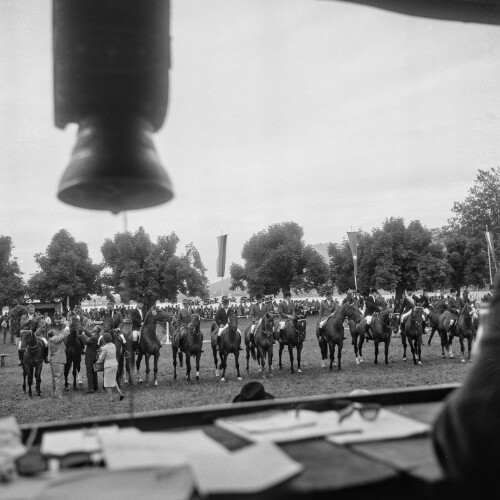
(353,243)
(489,241)
(221,258)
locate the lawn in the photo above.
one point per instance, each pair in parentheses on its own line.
(179,393)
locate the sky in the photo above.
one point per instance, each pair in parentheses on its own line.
(332,115)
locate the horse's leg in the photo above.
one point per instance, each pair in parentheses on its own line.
(332,353)
(280,352)
(270,359)
(25,374)
(386,349)
(223,363)
(198,356)
(413,348)
(339,356)
(418,348)
(188,367)
(30,381)
(376,342)
(75,374)
(462,347)
(156,357)
(38,376)
(323,346)
(403,340)
(237,363)
(247,347)
(138,366)
(174,356)
(216,361)
(290,353)
(181,359)
(355,345)
(469,344)
(433,330)
(299,352)
(67,368)
(361,341)
(146,359)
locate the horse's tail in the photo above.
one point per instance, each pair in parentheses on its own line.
(253,353)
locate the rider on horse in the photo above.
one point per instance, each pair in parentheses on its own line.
(370,309)
(326,309)
(257,312)
(222,318)
(409,302)
(183,320)
(137,316)
(425,303)
(453,306)
(112,321)
(286,312)
(30,321)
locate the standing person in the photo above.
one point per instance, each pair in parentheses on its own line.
(91,342)
(5,328)
(137,316)
(112,320)
(453,306)
(108,356)
(256,313)
(57,348)
(286,311)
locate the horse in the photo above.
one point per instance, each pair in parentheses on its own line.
(334,332)
(148,345)
(465,330)
(126,360)
(444,333)
(264,338)
(382,329)
(434,316)
(357,327)
(74,348)
(193,343)
(229,343)
(413,331)
(32,361)
(294,335)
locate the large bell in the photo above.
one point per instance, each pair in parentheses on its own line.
(114,166)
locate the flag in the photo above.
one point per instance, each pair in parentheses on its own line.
(489,241)
(221,258)
(353,243)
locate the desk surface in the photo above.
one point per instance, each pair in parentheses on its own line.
(355,471)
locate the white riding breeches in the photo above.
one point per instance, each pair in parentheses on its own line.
(136,335)
(368,320)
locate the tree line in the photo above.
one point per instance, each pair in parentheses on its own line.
(392,257)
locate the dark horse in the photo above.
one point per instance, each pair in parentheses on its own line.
(383,327)
(413,331)
(434,316)
(294,336)
(334,332)
(32,360)
(73,354)
(148,345)
(465,330)
(264,337)
(192,346)
(126,360)
(357,327)
(229,343)
(444,333)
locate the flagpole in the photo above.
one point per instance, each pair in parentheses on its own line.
(489,257)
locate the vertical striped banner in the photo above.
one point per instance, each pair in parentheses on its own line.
(221,258)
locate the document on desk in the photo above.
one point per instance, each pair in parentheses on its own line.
(282,426)
(251,469)
(387,425)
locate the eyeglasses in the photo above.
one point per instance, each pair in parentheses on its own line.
(368,411)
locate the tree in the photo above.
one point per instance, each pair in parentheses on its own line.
(140,268)
(392,258)
(12,288)
(66,271)
(279,260)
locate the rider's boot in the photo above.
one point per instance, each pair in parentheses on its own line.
(369,332)
(252,340)
(20,355)
(218,342)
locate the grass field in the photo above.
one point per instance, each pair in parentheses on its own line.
(209,390)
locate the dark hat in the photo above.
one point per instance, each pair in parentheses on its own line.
(185,300)
(287,294)
(258,296)
(466,292)
(357,292)
(452,290)
(373,290)
(328,292)
(252,391)
(225,298)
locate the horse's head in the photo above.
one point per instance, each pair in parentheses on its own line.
(467,310)
(267,324)
(394,321)
(353,313)
(416,316)
(194,323)
(233,321)
(27,338)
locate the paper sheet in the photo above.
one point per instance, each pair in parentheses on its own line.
(388,425)
(251,469)
(61,443)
